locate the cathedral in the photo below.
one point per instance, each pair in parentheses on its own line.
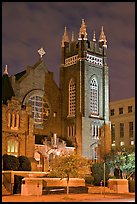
(37,114)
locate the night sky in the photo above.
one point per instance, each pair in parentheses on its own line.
(28,26)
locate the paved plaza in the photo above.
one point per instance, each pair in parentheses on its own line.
(130,197)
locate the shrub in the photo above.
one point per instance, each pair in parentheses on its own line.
(98,173)
(17,184)
(10,162)
(89,179)
(24,163)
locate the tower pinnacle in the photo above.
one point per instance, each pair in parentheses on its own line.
(72,38)
(94,37)
(6,69)
(83,31)
(102,36)
(65,37)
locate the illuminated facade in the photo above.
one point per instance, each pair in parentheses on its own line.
(122,116)
(77,110)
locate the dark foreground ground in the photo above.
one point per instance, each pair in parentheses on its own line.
(129,197)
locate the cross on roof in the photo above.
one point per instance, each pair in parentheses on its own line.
(41,52)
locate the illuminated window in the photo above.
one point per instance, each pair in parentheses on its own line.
(113,144)
(40,110)
(94,96)
(72,97)
(121,143)
(13,120)
(12,147)
(132,142)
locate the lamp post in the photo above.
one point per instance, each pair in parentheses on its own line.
(104,176)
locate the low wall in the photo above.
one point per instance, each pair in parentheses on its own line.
(8,177)
(118,185)
(34,186)
(31,186)
(63,182)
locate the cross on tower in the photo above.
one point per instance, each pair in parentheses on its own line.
(41,52)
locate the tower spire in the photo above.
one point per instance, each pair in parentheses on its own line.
(6,69)
(83,31)
(65,37)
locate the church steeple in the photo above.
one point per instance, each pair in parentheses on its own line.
(65,37)
(83,32)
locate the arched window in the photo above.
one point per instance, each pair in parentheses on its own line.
(72,98)
(12,147)
(40,109)
(94,152)
(94,96)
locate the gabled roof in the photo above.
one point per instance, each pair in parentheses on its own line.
(20,74)
(24,72)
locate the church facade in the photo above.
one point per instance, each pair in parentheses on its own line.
(78,110)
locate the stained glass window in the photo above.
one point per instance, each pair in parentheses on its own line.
(12,147)
(40,109)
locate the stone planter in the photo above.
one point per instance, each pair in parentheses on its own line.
(118,185)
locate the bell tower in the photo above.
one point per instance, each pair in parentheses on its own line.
(84,85)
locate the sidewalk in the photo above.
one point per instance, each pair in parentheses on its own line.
(65,197)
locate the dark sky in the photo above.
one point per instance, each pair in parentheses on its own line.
(28,26)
